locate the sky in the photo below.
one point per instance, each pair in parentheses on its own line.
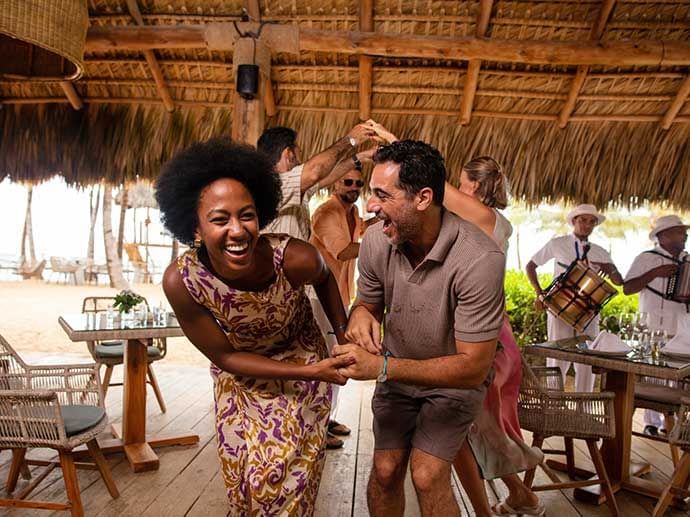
(61,226)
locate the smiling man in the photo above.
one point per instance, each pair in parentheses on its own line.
(439,281)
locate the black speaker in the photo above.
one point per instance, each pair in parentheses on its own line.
(248,81)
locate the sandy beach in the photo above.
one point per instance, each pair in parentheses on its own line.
(29,312)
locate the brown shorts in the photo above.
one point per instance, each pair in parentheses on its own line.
(434,420)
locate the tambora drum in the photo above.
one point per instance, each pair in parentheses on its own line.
(578,294)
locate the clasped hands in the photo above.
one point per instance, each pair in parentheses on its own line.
(361,358)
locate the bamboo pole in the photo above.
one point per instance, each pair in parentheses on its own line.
(677,103)
(473,67)
(72,95)
(583,70)
(150,57)
(281,39)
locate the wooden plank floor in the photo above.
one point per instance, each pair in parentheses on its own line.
(189,483)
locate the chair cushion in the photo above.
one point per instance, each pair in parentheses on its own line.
(80,418)
(118,351)
(111,343)
(659,393)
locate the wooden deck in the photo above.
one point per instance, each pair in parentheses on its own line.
(189,482)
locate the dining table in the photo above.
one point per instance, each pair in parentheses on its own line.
(137,334)
(621,371)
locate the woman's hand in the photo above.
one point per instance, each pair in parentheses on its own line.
(327,370)
(382,132)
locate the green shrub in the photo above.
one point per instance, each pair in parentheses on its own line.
(529,325)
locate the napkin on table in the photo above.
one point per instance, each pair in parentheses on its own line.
(608,342)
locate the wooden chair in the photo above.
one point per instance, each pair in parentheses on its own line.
(142,272)
(663,396)
(112,353)
(64,268)
(53,406)
(678,485)
(34,270)
(545,409)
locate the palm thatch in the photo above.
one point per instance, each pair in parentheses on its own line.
(613,147)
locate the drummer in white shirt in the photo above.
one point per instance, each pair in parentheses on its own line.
(564,250)
(649,275)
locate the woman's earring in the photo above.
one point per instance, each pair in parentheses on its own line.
(197,243)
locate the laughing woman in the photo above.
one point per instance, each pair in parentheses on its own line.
(240,300)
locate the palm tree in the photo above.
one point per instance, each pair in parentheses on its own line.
(114,262)
(28,233)
(94,201)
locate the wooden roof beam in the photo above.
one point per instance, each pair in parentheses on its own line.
(72,95)
(473,66)
(253,9)
(219,36)
(151,60)
(677,104)
(366,63)
(583,70)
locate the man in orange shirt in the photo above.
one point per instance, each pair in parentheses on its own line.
(336,228)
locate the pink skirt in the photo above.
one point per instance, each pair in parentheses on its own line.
(495,437)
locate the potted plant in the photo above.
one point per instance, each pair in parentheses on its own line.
(126,300)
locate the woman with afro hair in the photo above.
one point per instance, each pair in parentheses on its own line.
(239,297)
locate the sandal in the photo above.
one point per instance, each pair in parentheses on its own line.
(333,442)
(503,508)
(338,429)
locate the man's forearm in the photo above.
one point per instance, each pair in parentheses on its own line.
(531,270)
(349,252)
(455,371)
(318,167)
(635,285)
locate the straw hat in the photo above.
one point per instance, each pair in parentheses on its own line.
(585,210)
(664,223)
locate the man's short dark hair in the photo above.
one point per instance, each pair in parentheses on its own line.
(421,166)
(273,141)
(190,171)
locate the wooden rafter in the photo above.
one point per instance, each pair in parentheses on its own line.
(677,104)
(366,63)
(534,52)
(473,66)
(583,70)
(152,61)
(72,95)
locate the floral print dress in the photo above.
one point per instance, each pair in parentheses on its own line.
(271,433)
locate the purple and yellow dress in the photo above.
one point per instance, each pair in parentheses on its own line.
(271,433)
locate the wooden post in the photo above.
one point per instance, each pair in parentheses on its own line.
(248,115)
(366,63)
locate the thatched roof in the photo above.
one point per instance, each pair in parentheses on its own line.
(565,131)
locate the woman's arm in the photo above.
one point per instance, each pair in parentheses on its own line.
(469,208)
(303,264)
(203,331)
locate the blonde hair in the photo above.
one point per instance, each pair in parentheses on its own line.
(493,184)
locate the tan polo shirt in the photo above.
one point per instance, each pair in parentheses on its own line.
(330,234)
(456,292)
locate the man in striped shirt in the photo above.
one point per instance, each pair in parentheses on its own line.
(300,181)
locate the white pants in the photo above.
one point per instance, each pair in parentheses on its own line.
(557,329)
(654,418)
(325,326)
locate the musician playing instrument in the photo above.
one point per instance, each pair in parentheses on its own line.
(649,275)
(564,250)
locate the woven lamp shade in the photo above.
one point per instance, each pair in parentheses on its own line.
(43,39)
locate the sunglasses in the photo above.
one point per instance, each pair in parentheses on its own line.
(348,183)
